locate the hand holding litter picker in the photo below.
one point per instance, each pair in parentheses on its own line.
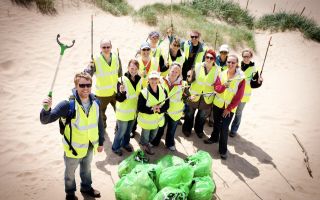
(63,47)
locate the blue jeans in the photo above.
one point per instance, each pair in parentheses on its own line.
(147,136)
(189,117)
(85,172)
(220,129)
(122,137)
(171,130)
(237,118)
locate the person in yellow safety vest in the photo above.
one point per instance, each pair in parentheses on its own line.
(85,134)
(146,63)
(155,45)
(248,67)
(107,70)
(225,104)
(205,80)
(174,85)
(128,90)
(174,54)
(221,61)
(152,104)
(194,52)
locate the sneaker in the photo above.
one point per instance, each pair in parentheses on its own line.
(186,133)
(232,134)
(148,149)
(172,148)
(71,197)
(209,141)
(128,148)
(92,193)
(200,135)
(151,145)
(224,156)
(133,134)
(118,152)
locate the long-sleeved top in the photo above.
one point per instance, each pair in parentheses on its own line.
(122,96)
(244,66)
(237,98)
(142,102)
(62,109)
(189,62)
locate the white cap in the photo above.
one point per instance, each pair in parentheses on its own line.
(145,45)
(154,74)
(224,47)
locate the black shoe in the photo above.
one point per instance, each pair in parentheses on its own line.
(128,148)
(232,134)
(210,123)
(209,141)
(200,135)
(118,152)
(179,122)
(71,197)
(186,133)
(92,193)
(224,156)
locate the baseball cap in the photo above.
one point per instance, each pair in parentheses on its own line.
(224,47)
(145,45)
(154,74)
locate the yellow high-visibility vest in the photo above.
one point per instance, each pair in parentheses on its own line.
(199,56)
(179,60)
(222,100)
(176,104)
(152,121)
(84,131)
(126,110)
(248,90)
(204,83)
(142,68)
(106,76)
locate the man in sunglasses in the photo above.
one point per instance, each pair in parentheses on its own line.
(82,136)
(194,52)
(107,70)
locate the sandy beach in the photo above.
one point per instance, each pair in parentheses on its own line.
(265,162)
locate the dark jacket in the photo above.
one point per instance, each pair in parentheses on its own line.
(142,102)
(62,109)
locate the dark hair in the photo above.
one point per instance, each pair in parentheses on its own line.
(135,62)
(175,40)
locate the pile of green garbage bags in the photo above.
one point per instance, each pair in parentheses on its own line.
(171,178)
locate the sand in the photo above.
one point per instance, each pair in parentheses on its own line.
(265,160)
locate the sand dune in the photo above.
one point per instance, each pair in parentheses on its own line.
(265,160)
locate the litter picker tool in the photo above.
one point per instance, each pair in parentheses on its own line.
(120,65)
(265,56)
(92,38)
(63,47)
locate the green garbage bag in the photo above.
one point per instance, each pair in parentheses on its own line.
(168,161)
(136,158)
(135,186)
(179,176)
(201,162)
(202,188)
(170,193)
(152,170)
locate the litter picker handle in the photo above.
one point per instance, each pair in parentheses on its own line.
(63,47)
(265,56)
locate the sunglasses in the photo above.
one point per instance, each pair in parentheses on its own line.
(210,57)
(194,36)
(230,62)
(176,45)
(223,52)
(188,76)
(107,47)
(245,56)
(88,85)
(145,49)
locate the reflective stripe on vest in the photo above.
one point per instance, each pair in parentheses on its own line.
(247,91)
(199,56)
(126,110)
(179,60)
(84,131)
(204,83)
(222,100)
(152,121)
(176,104)
(106,76)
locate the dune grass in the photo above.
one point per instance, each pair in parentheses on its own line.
(225,10)
(115,7)
(44,6)
(186,17)
(290,21)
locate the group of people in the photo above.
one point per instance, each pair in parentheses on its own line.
(168,79)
